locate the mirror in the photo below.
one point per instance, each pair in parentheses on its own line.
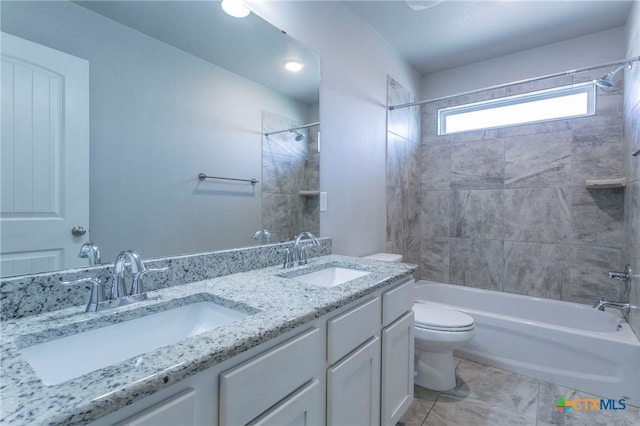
(177,88)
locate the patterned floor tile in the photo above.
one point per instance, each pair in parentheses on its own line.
(450,410)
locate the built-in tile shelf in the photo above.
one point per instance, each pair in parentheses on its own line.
(606,183)
(309,193)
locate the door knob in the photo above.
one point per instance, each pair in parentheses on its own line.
(78,231)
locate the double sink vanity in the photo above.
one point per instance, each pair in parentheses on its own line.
(330,342)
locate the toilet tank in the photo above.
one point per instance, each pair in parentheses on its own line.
(387,257)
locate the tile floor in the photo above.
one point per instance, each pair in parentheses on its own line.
(490,396)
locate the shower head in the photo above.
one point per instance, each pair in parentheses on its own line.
(606,83)
(299,136)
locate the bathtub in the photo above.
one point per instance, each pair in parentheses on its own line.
(569,344)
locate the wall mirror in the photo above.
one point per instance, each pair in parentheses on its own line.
(175,89)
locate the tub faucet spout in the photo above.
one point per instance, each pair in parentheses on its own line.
(601,304)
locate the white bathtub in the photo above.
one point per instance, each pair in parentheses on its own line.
(568,344)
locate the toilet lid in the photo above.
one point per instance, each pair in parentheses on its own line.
(435,317)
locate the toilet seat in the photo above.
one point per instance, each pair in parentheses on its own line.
(430,317)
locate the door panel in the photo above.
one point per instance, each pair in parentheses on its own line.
(353,387)
(45,157)
(397,369)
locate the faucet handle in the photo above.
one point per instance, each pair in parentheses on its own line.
(301,254)
(288,257)
(97,292)
(136,284)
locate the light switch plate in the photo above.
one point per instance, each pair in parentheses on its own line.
(323,201)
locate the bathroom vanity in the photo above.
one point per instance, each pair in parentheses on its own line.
(301,353)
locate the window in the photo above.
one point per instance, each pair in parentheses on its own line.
(551,104)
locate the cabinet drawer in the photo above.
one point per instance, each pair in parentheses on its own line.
(349,330)
(179,409)
(249,389)
(303,408)
(396,302)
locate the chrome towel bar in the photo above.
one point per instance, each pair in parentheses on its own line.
(203,176)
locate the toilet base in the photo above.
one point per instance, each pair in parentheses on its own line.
(435,370)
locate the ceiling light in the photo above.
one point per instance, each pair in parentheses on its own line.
(235,8)
(422,4)
(293,66)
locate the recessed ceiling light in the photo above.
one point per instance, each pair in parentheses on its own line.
(293,66)
(422,4)
(235,8)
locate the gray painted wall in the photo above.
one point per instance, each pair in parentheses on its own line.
(160,116)
(353,98)
(631,244)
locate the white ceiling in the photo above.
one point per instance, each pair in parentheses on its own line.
(453,33)
(250,47)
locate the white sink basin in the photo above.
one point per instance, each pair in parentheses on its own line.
(63,359)
(331,277)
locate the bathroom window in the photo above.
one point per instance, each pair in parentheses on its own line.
(576,100)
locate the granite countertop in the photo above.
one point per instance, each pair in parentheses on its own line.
(275,301)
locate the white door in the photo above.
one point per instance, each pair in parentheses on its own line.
(397,369)
(44,158)
(353,387)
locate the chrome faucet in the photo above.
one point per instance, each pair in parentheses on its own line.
(288,257)
(300,249)
(266,233)
(118,286)
(92,252)
(601,304)
(118,295)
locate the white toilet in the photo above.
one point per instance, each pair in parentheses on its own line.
(387,257)
(438,332)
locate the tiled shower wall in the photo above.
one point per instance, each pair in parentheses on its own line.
(289,167)
(631,241)
(507,209)
(403,176)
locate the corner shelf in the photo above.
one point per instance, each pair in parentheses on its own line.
(606,183)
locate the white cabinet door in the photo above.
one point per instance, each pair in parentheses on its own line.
(253,387)
(177,410)
(353,387)
(303,408)
(397,369)
(44,154)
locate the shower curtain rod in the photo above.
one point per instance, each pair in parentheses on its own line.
(513,83)
(293,128)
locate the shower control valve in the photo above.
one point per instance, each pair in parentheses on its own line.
(622,276)
(625,277)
